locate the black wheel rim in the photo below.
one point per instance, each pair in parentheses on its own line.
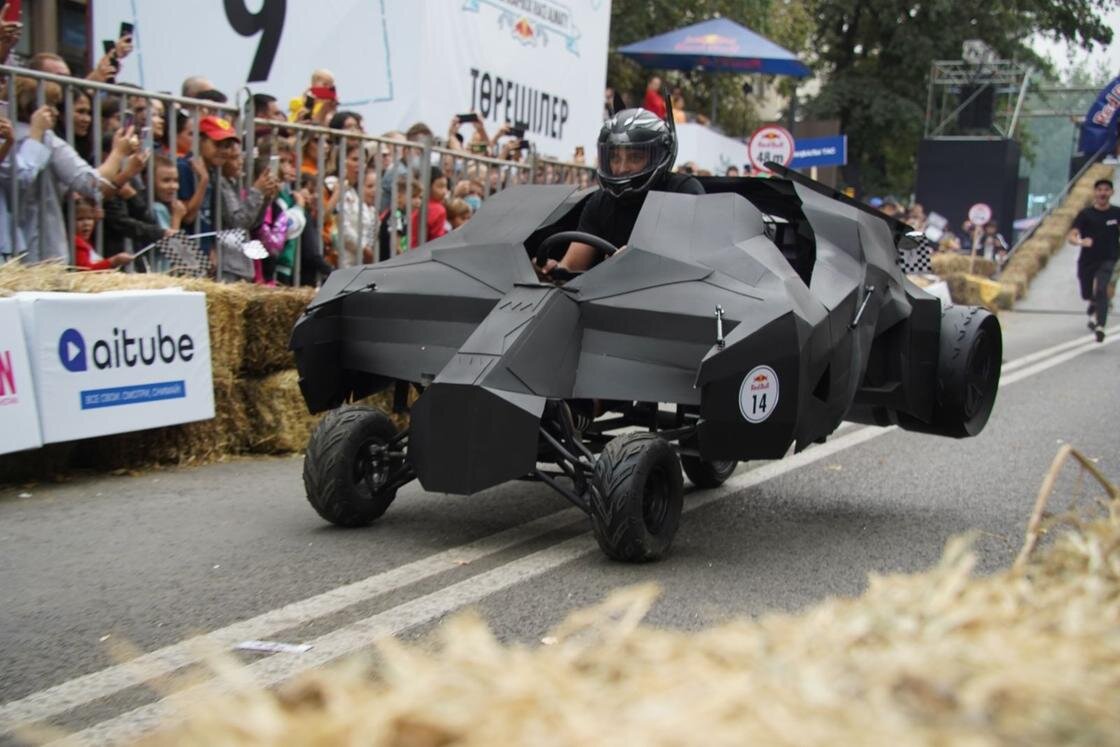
(655,501)
(978,377)
(364,467)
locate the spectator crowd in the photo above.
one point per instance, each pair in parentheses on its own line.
(158,183)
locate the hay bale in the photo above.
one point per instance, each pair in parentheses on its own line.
(278,418)
(963,289)
(269,317)
(946,263)
(1027,656)
(1008,295)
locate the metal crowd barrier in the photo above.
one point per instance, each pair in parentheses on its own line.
(396,159)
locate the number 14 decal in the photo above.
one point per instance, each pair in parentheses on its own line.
(758,394)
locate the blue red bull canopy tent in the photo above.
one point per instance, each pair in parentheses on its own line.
(716,46)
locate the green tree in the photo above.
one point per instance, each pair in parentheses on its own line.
(874,58)
(786,22)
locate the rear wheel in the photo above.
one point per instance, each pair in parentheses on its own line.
(637,498)
(346,470)
(705,474)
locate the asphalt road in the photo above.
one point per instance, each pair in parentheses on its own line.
(98,568)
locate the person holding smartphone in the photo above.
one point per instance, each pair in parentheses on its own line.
(109,66)
(479,142)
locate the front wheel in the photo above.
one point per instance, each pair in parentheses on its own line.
(637,498)
(346,469)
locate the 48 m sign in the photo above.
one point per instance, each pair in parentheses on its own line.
(770,143)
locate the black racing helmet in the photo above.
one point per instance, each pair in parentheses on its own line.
(636,149)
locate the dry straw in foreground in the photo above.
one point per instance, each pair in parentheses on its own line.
(1029,656)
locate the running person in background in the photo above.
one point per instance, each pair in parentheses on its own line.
(636,153)
(1096,229)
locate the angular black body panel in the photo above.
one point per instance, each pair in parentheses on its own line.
(760,294)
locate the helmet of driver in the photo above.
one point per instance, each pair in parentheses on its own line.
(636,149)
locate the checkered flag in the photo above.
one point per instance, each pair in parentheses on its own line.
(182,255)
(914,256)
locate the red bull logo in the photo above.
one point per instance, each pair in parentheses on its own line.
(714,43)
(524,30)
(7,379)
(760,382)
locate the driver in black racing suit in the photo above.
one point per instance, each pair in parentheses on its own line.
(636,151)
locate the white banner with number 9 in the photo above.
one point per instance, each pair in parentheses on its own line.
(395,61)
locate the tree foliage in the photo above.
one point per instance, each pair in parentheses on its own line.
(874,57)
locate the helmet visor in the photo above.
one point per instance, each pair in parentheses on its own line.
(624,160)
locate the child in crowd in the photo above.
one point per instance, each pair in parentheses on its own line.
(458,213)
(85,256)
(272,231)
(437,212)
(293,202)
(393,220)
(168,208)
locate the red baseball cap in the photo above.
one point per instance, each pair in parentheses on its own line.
(217,129)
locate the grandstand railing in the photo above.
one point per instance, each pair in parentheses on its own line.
(411,160)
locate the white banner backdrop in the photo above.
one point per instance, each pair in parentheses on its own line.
(395,61)
(709,150)
(114,362)
(19,417)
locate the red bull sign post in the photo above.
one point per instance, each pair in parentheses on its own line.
(770,143)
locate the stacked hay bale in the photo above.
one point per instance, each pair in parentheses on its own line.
(256,392)
(1025,656)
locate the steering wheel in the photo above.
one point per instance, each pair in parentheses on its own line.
(568,237)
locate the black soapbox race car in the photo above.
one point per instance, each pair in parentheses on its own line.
(736,323)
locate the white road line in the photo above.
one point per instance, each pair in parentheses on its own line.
(90,687)
(85,689)
(1027,360)
(350,638)
(1023,373)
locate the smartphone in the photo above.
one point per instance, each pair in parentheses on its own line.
(4,109)
(523,145)
(274,166)
(126,30)
(145,133)
(15,10)
(126,120)
(110,48)
(468,117)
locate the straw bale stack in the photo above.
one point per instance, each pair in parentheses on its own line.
(1027,656)
(973,290)
(944,264)
(270,315)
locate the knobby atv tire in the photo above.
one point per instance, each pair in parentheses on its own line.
(332,471)
(636,504)
(705,474)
